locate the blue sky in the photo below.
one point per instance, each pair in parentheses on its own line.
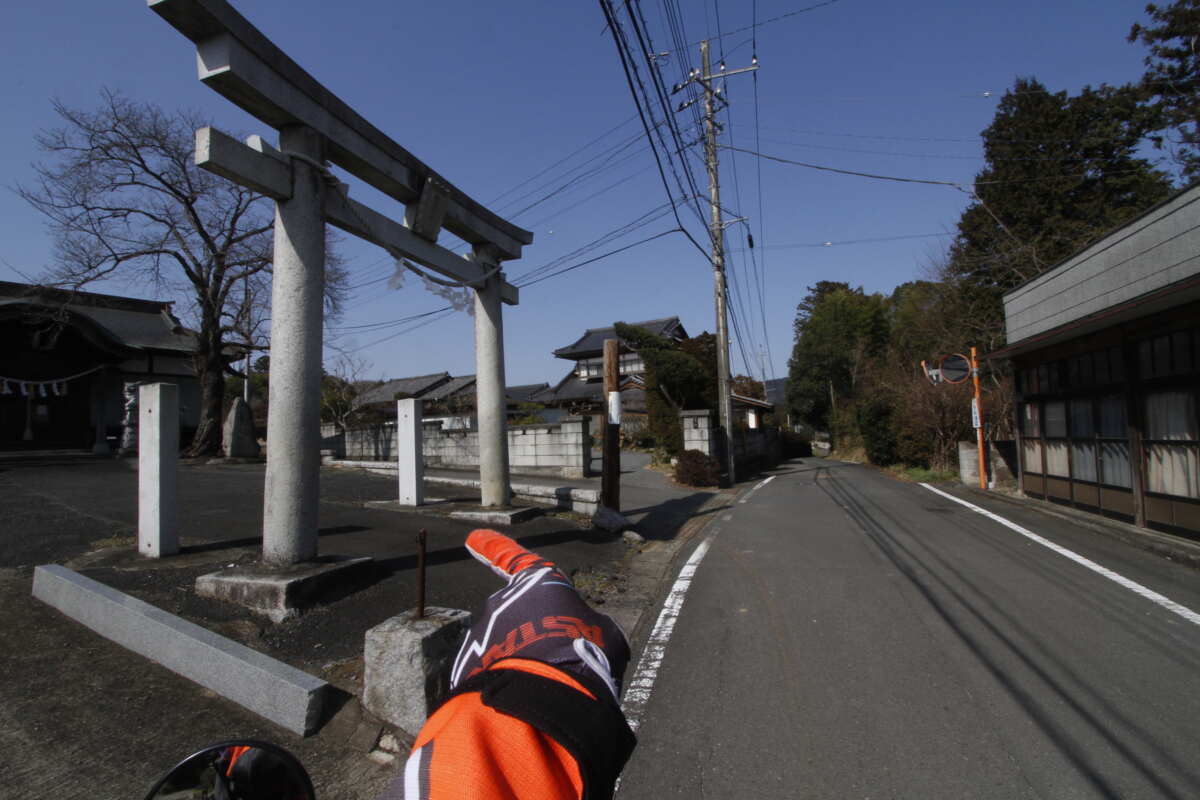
(491,94)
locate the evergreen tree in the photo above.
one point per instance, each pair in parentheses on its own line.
(679,376)
(1060,172)
(1171,85)
(839,332)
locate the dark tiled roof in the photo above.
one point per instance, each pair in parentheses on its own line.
(592,341)
(572,389)
(126,321)
(413,387)
(451,387)
(524,393)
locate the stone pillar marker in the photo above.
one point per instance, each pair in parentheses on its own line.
(490,403)
(297,300)
(158,468)
(410,461)
(237,435)
(406,664)
(99,408)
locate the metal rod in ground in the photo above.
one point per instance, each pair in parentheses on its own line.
(610,480)
(421,574)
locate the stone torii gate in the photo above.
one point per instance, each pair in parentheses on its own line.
(236,60)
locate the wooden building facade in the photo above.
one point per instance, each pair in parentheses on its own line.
(1105,349)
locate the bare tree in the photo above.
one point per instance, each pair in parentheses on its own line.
(340,387)
(125,199)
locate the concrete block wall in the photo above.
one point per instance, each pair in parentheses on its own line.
(562,448)
(372,443)
(754,442)
(699,433)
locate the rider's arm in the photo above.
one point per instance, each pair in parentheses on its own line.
(533,711)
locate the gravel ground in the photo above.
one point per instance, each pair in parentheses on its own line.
(83,717)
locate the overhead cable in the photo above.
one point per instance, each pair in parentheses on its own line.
(954,184)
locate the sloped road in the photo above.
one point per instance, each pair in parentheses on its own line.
(850,636)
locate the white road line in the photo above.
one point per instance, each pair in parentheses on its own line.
(757,486)
(1133,586)
(637,694)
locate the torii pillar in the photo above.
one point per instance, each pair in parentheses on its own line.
(240,63)
(491,404)
(292,494)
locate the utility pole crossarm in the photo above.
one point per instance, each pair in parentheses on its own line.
(727,73)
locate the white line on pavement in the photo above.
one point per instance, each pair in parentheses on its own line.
(757,486)
(1133,586)
(638,692)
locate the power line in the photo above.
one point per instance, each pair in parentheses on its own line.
(377,277)
(758,169)
(386,324)
(935,139)
(603,256)
(429,317)
(611,154)
(564,159)
(841,242)
(978,157)
(955,184)
(843,171)
(640,29)
(648,217)
(779,18)
(756,290)
(629,70)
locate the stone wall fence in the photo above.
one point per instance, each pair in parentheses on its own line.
(561,448)
(1001,463)
(757,446)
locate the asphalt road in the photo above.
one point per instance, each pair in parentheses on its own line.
(851,636)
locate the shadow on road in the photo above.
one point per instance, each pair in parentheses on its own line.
(1001,643)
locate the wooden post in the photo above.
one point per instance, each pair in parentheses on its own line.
(1134,428)
(610,482)
(979,431)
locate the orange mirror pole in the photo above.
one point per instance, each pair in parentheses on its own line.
(979,419)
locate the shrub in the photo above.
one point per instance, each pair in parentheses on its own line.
(796,445)
(875,426)
(694,468)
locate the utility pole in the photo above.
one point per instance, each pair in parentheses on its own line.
(717,233)
(610,481)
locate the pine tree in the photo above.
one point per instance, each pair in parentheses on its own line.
(839,332)
(1171,85)
(1060,172)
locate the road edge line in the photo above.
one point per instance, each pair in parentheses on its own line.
(637,692)
(1133,586)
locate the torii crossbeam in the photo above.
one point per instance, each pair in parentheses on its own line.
(236,60)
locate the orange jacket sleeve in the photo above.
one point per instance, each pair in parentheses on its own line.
(570,745)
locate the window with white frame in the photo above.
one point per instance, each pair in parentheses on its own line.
(590,368)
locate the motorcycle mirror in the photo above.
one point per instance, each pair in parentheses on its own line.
(241,769)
